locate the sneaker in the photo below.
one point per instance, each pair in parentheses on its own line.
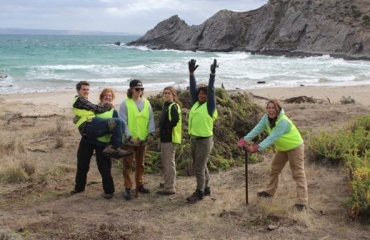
(166,192)
(127,194)
(207,191)
(108,195)
(109,151)
(74,191)
(264,194)
(197,196)
(300,207)
(142,189)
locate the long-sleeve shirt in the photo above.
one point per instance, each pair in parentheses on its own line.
(165,124)
(82,103)
(122,114)
(211,100)
(281,128)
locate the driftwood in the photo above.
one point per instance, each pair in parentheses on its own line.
(12,116)
(300,99)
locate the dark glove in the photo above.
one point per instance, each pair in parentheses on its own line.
(214,66)
(253,149)
(192,66)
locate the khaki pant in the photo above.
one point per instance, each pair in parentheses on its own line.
(200,151)
(296,163)
(139,154)
(168,150)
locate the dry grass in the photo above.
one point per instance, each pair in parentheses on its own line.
(40,208)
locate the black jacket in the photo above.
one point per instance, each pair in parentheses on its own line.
(165,125)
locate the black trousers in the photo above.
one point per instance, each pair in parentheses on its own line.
(84,154)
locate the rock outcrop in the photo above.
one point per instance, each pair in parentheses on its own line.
(340,28)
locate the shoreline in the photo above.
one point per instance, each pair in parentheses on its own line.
(333,93)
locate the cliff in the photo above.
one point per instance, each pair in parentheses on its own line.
(340,28)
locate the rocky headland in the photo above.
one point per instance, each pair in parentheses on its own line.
(340,28)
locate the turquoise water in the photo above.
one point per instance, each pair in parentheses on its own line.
(41,63)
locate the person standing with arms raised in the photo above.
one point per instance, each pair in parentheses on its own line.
(137,116)
(202,115)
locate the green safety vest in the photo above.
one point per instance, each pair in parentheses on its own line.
(200,122)
(138,121)
(287,141)
(82,113)
(176,131)
(107,114)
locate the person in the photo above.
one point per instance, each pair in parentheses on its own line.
(87,147)
(290,148)
(170,124)
(93,127)
(138,119)
(202,115)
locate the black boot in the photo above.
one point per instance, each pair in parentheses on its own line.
(207,191)
(127,194)
(197,196)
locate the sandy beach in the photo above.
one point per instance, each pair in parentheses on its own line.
(64,99)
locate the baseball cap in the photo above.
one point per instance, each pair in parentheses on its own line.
(136,83)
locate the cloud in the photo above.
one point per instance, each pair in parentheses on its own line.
(136,16)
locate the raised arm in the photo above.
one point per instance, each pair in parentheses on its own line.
(193,84)
(211,101)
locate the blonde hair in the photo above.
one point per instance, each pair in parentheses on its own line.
(276,103)
(174,94)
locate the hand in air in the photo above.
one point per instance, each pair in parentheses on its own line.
(214,66)
(192,66)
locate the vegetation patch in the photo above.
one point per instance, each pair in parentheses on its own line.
(237,115)
(349,147)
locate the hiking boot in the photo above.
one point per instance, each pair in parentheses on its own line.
(142,189)
(109,151)
(300,207)
(165,192)
(264,194)
(74,191)
(108,195)
(197,196)
(207,191)
(127,194)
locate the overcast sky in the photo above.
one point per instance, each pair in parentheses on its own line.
(129,16)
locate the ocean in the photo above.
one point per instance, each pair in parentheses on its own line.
(43,63)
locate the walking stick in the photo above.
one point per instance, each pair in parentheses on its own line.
(246,176)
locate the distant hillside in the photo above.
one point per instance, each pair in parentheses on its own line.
(340,28)
(58,32)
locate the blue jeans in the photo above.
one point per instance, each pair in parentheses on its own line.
(100,126)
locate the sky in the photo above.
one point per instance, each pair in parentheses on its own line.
(126,16)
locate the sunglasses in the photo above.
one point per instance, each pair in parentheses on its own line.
(139,89)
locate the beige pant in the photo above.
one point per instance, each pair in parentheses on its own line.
(200,150)
(168,163)
(296,163)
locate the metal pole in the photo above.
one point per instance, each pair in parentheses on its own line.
(246,176)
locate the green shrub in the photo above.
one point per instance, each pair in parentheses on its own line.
(349,146)
(237,115)
(359,171)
